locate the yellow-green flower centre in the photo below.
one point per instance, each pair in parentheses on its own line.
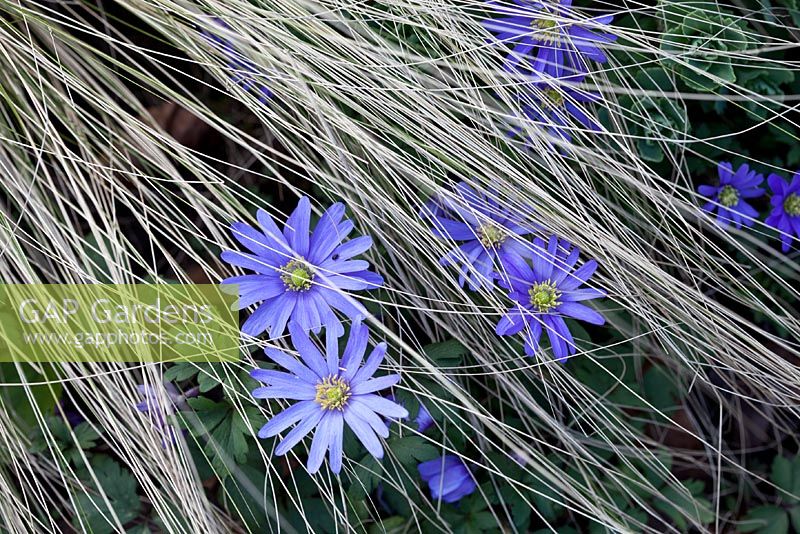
(545,30)
(332,393)
(491,235)
(297,275)
(552,98)
(728,196)
(791,205)
(544,296)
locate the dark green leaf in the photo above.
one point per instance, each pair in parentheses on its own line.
(765,520)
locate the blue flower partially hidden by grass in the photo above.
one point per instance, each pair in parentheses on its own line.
(423,419)
(245,72)
(332,391)
(785,202)
(300,276)
(557,107)
(448,478)
(157,411)
(728,198)
(489,233)
(550,38)
(547,293)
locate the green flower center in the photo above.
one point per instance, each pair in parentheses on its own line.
(491,235)
(728,196)
(544,296)
(552,98)
(332,393)
(791,205)
(545,29)
(297,275)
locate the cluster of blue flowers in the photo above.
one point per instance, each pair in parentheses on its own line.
(541,277)
(300,280)
(553,45)
(729,199)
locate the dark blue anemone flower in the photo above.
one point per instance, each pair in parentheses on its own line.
(547,293)
(785,202)
(728,198)
(448,478)
(331,391)
(552,40)
(490,233)
(556,107)
(245,72)
(300,275)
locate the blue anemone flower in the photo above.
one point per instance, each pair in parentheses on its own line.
(557,107)
(300,275)
(547,293)
(490,233)
(728,198)
(550,38)
(785,202)
(245,72)
(448,478)
(332,391)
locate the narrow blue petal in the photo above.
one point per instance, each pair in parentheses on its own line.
(341,267)
(364,433)
(342,302)
(383,406)
(580,276)
(581,312)
(582,294)
(299,391)
(776,183)
(296,229)
(533,336)
(374,360)
(337,433)
(354,351)
(332,352)
(289,362)
(308,350)
(319,445)
(352,248)
(449,229)
(362,410)
(284,306)
(325,237)
(258,264)
(272,231)
(557,343)
(375,384)
(511,323)
(299,432)
(272,377)
(287,418)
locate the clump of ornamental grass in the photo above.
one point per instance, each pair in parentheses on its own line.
(380,106)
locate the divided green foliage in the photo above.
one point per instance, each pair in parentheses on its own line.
(120,489)
(72,443)
(226,430)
